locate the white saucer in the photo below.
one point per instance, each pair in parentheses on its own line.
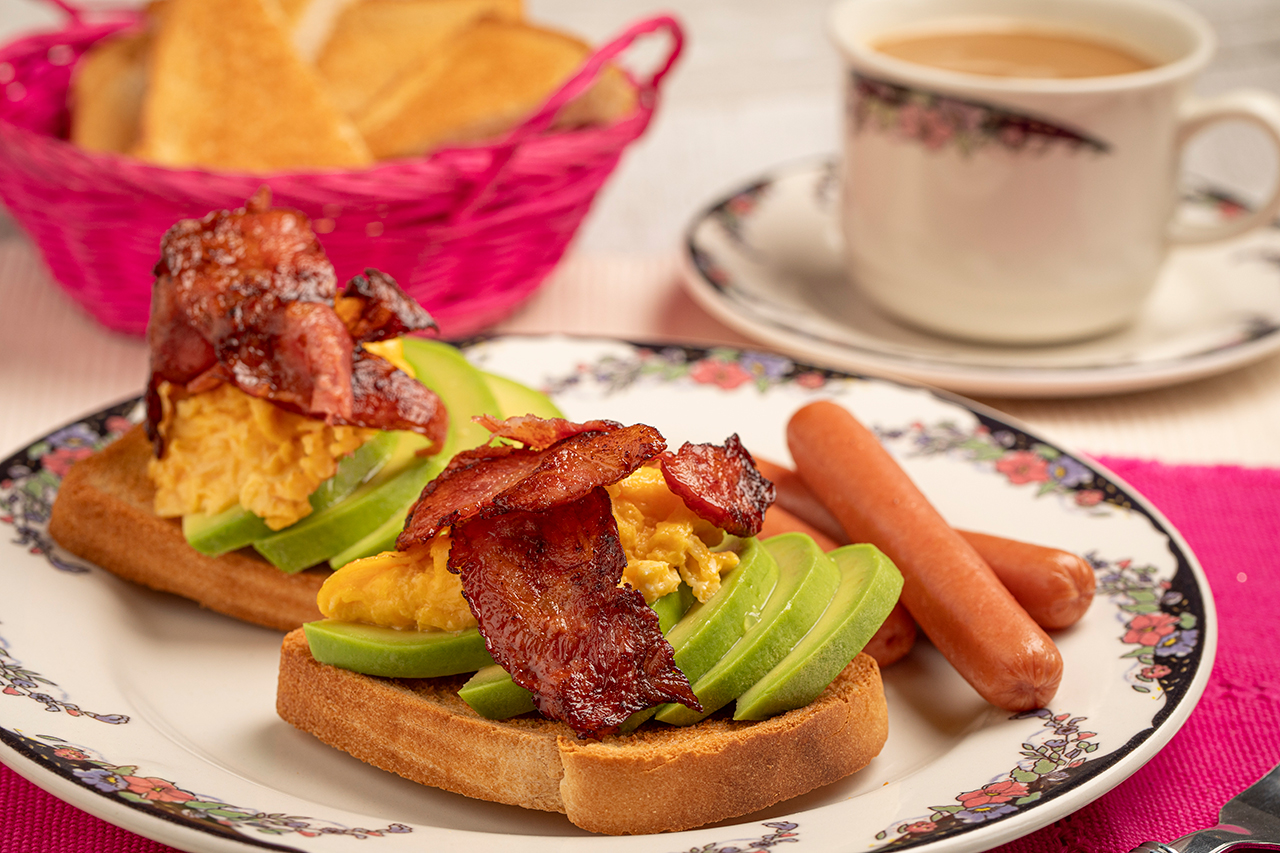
(766,261)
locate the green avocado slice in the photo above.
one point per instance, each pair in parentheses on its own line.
(237,527)
(392,653)
(807,581)
(339,528)
(512,398)
(710,628)
(515,398)
(869,587)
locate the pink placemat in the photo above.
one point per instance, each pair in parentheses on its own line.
(1231,519)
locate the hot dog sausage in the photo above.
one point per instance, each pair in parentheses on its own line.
(894,639)
(1055,587)
(794,497)
(952,593)
(777,521)
(895,636)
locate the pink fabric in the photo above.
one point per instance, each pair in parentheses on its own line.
(1231,519)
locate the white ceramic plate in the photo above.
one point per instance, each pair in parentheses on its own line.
(159,717)
(766,261)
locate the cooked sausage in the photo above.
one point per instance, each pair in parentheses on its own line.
(777,521)
(952,593)
(794,497)
(896,635)
(894,639)
(1054,587)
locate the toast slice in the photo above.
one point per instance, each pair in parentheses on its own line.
(103,514)
(657,779)
(107,91)
(228,90)
(374,42)
(485,81)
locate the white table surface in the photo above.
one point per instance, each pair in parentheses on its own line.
(758,86)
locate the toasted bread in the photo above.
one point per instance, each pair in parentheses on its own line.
(659,778)
(228,90)
(490,77)
(107,91)
(103,513)
(373,42)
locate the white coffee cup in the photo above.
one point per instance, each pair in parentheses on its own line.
(1024,210)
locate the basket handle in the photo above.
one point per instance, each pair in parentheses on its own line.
(74,12)
(541,120)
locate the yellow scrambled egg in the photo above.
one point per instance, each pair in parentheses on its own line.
(664,543)
(224,447)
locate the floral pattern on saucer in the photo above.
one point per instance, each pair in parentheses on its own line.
(940,121)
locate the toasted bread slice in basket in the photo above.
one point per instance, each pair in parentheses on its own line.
(228,90)
(107,91)
(488,79)
(375,42)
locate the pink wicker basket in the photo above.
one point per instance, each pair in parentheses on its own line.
(469,232)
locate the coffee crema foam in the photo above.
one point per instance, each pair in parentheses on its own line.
(1015,52)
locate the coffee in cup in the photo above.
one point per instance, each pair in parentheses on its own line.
(1016,52)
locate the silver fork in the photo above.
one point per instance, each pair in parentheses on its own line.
(1249,819)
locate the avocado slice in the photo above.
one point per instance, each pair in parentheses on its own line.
(237,527)
(512,398)
(389,652)
(492,694)
(320,535)
(710,628)
(869,587)
(807,581)
(515,398)
(337,529)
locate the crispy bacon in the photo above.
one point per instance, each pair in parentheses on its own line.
(536,545)
(247,297)
(380,309)
(720,484)
(491,480)
(458,493)
(538,433)
(544,588)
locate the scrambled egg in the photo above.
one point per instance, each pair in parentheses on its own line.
(224,447)
(411,589)
(664,543)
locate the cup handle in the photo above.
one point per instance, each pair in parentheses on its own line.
(1260,109)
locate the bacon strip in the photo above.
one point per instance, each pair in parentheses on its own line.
(385,311)
(538,433)
(491,480)
(544,588)
(247,297)
(720,485)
